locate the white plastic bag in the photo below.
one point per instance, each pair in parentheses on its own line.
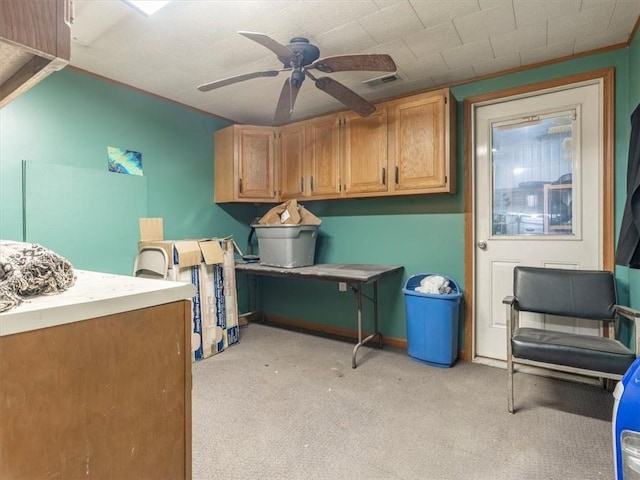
(434,284)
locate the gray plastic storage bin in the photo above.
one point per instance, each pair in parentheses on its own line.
(287,246)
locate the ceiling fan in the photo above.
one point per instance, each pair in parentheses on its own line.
(298,58)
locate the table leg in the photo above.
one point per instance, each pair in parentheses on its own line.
(358,291)
(255,300)
(375,313)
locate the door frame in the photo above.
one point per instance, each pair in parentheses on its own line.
(608,218)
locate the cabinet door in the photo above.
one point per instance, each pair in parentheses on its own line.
(256,163)
(419,143)
(292,161)
(322,137)
(364,153)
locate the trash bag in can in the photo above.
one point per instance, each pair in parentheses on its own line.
(432,319)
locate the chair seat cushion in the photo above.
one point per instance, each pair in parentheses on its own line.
(573,350)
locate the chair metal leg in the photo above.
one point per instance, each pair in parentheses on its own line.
(511,321)
(510,382)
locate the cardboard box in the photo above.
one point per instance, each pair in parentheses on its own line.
(191,274)
(231,334)
(183,253)
(196,261)
(151,229)
(218,284)
(289,213)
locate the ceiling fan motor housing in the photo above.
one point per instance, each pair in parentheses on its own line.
(305,51)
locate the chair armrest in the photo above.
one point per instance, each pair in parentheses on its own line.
(512,319)
(628,312)
(634,315)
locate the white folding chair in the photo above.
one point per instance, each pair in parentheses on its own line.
(151,262)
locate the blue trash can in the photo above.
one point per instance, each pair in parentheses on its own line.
(432,323)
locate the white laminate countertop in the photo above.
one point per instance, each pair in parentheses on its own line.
(93,295)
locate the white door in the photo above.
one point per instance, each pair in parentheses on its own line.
(537,200)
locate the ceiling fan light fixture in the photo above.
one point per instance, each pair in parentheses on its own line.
(146,7)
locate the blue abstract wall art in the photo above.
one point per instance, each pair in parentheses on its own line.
(124,161)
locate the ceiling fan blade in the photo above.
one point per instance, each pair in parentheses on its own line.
(284,54)
(345,63)
(286,102)
(347,96)
(238,78)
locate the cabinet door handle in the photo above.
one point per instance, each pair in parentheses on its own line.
(240,185)
(384,176)
(312,183)
(302,184)
(396,174)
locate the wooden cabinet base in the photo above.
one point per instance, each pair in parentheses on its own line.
(108,397)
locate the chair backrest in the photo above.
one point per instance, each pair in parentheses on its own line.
(151,262)
(589,294)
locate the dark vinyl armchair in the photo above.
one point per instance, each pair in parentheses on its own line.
(585,294)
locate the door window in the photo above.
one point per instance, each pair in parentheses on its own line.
(533,163)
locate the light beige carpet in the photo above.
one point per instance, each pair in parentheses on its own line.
(288,405)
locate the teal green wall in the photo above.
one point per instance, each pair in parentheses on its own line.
(70,119)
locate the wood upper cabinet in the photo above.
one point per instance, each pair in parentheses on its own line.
(364,153)
(406,147)
(245,164)
(310,159)
(292,143)
(421,143)
(323,156)
(35,40)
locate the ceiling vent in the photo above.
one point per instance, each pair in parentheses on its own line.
(379,81)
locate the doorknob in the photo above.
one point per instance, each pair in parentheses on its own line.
(482,245)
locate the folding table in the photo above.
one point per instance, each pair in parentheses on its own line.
(355,275)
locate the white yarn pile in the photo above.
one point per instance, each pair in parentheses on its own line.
(434,284)
(29,269)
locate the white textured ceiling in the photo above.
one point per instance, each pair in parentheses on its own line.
(433,42)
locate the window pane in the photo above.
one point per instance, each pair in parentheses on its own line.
(532,169)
